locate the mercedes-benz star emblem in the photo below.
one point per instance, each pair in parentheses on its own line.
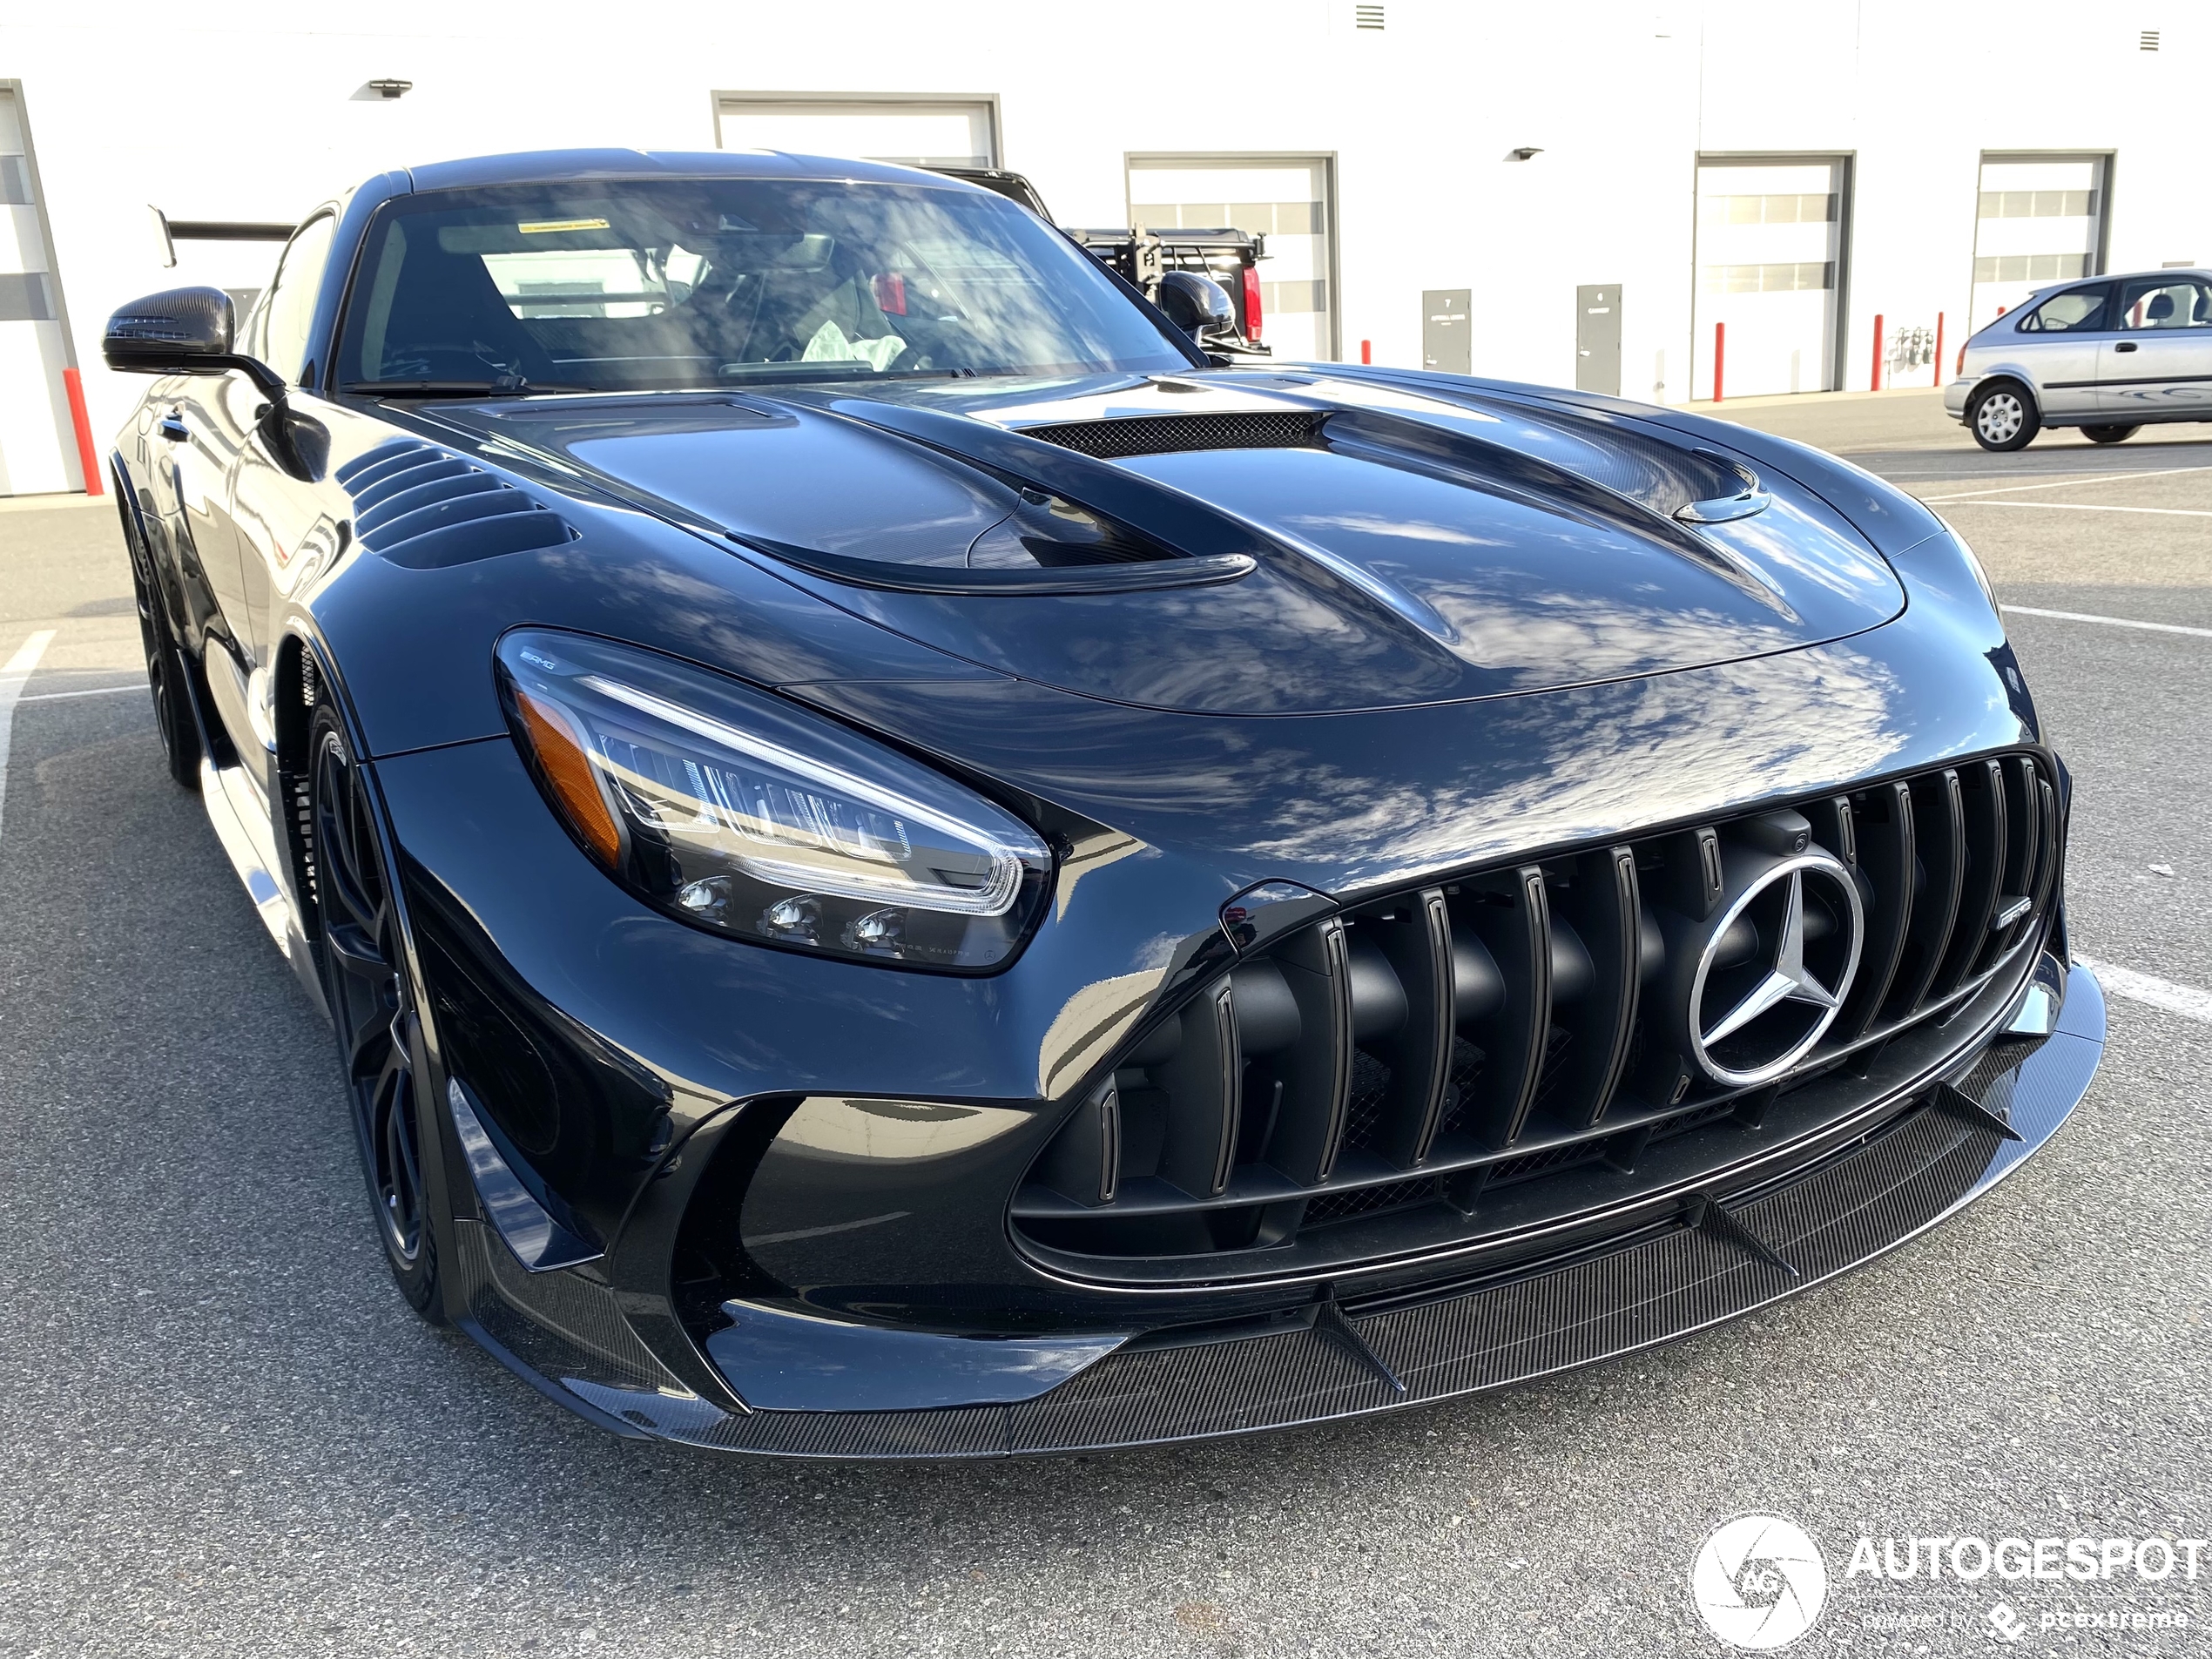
(1775,970)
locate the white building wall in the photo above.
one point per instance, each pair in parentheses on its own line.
(257,111)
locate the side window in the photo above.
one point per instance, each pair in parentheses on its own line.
(2166,302)
(291,304)
(2075,311)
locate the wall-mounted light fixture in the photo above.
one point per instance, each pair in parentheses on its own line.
(1526,150)
(388,88)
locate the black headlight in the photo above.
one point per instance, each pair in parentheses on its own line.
(732,809)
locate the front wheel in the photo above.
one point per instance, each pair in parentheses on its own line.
(2003,418)
(372,1005)
(2109,434)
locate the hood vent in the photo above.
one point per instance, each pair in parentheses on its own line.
(1115,437)
(424,508)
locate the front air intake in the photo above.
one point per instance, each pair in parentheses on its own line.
(1476,1054)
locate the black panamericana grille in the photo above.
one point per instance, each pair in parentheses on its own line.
(1377,1080)
(424,508)
(1154,434)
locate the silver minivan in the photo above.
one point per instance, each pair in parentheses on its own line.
(2110,356)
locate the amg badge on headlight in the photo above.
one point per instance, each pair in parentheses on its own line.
(729,808)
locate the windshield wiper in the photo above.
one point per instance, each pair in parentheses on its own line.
(506,386)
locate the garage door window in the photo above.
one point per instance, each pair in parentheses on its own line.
(2038,220)
(1285,199)
(1769,254)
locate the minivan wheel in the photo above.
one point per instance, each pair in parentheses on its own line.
(2003,417)
(2109,434)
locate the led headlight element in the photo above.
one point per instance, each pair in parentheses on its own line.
(733,809)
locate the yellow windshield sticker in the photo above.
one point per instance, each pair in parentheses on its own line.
(549,226)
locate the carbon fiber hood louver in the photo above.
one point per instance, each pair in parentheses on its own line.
(424,508)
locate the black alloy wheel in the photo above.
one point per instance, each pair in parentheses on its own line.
(172,712)
(372,1005)
(2004,417)
(2109,434)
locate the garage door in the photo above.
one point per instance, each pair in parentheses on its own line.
(2039,220)
(37,443)
(1289,199)
(1769,244)
(914,132)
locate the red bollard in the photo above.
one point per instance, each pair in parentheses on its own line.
(88,454)
(1366,351)
(1939,350)
(1720,357)
(1874,380)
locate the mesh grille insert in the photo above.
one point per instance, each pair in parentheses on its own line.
(1154,434)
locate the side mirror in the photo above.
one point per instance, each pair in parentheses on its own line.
(170,333)
(184,331)
(1198,305)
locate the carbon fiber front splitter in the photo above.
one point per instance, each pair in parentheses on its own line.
(1924,1165)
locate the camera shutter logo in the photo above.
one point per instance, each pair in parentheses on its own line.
(1759,1582)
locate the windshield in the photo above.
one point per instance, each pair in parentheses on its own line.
(618,286)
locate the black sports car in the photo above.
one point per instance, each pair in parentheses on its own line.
(905,864)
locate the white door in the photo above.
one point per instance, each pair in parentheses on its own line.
(37,440)
(2035,223)
(913,132)
(1768,241)
(1288,200)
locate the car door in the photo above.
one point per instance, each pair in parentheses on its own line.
(2158,365)
(270,498)
(2061,342)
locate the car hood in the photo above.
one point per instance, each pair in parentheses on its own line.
(1237,543)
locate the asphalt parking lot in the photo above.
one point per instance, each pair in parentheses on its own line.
(222,1434)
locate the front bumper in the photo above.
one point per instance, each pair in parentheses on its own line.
(578,1339)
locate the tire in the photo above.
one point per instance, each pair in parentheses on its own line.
(2109,434)
(365,979)
(2004,417)
(165,670)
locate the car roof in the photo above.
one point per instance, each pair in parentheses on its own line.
(551,166)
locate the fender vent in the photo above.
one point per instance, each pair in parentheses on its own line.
(423,507)
(1158,434)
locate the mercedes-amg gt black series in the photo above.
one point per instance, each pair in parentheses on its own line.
(907,862)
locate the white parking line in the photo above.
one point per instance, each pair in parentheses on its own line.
(97,691)
(2184,1000)
(2107,622)
(2085,507)
(2071,479)
(12,676)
